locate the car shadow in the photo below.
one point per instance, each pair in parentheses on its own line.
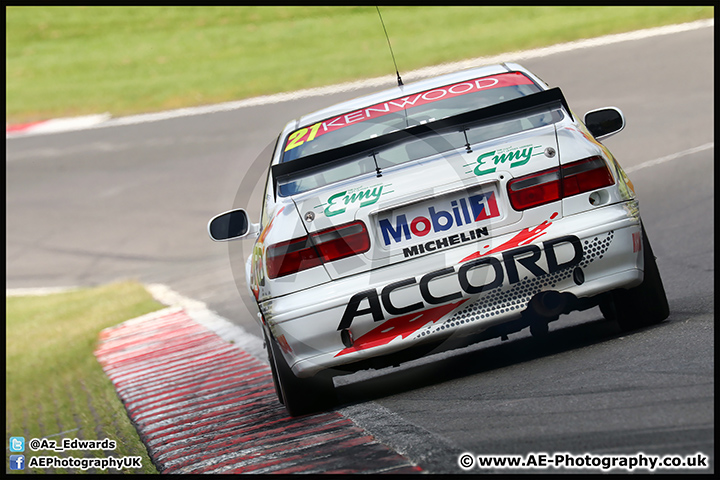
(476,359)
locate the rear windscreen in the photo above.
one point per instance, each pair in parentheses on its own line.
(414,148)
(404,112)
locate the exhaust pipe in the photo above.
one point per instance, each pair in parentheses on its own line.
(347,337)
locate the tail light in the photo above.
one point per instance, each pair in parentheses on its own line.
(312,250)
(536,189)
(290,257)
(585,175)
(560,182)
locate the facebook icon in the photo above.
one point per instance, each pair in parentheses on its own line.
(17,462)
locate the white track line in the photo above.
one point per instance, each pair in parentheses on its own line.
(102,121)
(674,156)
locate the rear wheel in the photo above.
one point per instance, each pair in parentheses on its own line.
(300,395)
(643,305)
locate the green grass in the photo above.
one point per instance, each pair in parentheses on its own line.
(64,61)
(53,381)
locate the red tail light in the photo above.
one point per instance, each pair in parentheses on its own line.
(536,189)
(323,246)
(585,175)
(343,241)
(560,182)
(290,257)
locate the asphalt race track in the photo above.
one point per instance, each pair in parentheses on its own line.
(93,206)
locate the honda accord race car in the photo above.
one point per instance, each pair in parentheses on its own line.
(475,204)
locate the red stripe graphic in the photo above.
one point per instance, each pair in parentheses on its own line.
(202,405)
(403,326)
(524,237)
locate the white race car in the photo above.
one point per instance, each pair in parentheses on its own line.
(474,205)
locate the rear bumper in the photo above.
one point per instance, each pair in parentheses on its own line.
(460,291)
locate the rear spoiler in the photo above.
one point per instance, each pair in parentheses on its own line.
(454,123)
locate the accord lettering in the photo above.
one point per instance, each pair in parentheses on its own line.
(497,271)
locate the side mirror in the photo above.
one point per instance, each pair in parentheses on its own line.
(231,225)
(604,122)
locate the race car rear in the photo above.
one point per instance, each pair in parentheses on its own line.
(474,225)
(453,243)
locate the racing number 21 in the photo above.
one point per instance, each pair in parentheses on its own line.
(297,138)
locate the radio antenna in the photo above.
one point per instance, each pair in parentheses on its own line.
(400,82)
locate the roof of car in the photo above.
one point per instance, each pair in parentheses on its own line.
(408,89)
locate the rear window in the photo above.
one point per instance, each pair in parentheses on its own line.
(404,112)
(414,149)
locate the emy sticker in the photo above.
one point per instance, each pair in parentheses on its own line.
(516,156)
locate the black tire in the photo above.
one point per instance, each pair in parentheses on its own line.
(300,395)
(271,359)
(643,305)
(607,307)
